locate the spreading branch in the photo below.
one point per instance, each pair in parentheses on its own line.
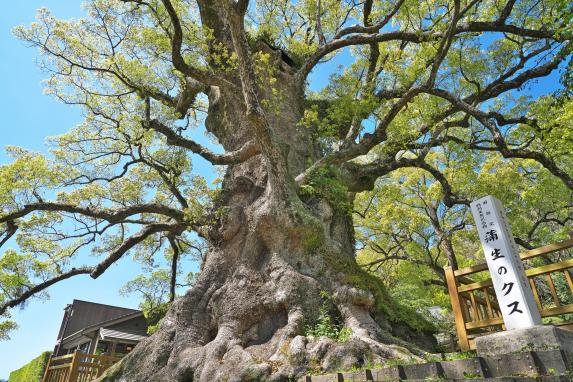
(247,151)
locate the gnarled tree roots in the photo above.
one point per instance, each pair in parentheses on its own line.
(251,326)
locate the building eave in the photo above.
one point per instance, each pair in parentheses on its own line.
(86,331)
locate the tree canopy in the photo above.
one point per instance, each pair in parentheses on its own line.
(435,102)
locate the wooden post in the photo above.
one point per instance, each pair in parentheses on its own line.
(535,293)
(569,279)
(73,376)
(112,349)
(457,309)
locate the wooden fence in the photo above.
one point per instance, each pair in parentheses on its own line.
(474,303)
(77,367)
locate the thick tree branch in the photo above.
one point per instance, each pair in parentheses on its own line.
(368,28)
(11,229)
(110,215)
(133,241)
(418,37)
(353,150)
(362,177)
(359,39)
(97,270)
(178,60)
(42,286)
(247,151)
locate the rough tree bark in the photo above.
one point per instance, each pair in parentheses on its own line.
(276,250)
(272,256)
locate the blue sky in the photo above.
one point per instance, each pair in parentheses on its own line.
(28,117)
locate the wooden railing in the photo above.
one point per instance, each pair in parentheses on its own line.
(474,304)
(77,367)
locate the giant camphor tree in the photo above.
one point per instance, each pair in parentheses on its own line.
(418,78)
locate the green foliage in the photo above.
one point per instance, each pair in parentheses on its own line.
(403,225)
(112,160)
(459,356)
(5,328)
(109,160)
(33,371)
(153,315)
(154,292)
(325,183)
(329,322)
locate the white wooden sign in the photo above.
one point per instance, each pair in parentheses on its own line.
(512,289)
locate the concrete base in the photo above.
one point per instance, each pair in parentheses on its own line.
(536,338)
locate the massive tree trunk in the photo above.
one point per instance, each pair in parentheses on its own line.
(281,238)
(273,259)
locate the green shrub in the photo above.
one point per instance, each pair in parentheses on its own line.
(33,371)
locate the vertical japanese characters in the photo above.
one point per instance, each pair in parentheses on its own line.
(507,272)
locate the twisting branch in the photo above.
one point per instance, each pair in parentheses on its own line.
(112,216)
(353,150)
(419,37)
(369,28)
(506,11)
(129,243)
(247,151)
(501,145)
(359,39)
(97,270)
(178,61)
(362,177)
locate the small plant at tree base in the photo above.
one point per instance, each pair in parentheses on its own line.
(328,323)
(459,355)
(471,375)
